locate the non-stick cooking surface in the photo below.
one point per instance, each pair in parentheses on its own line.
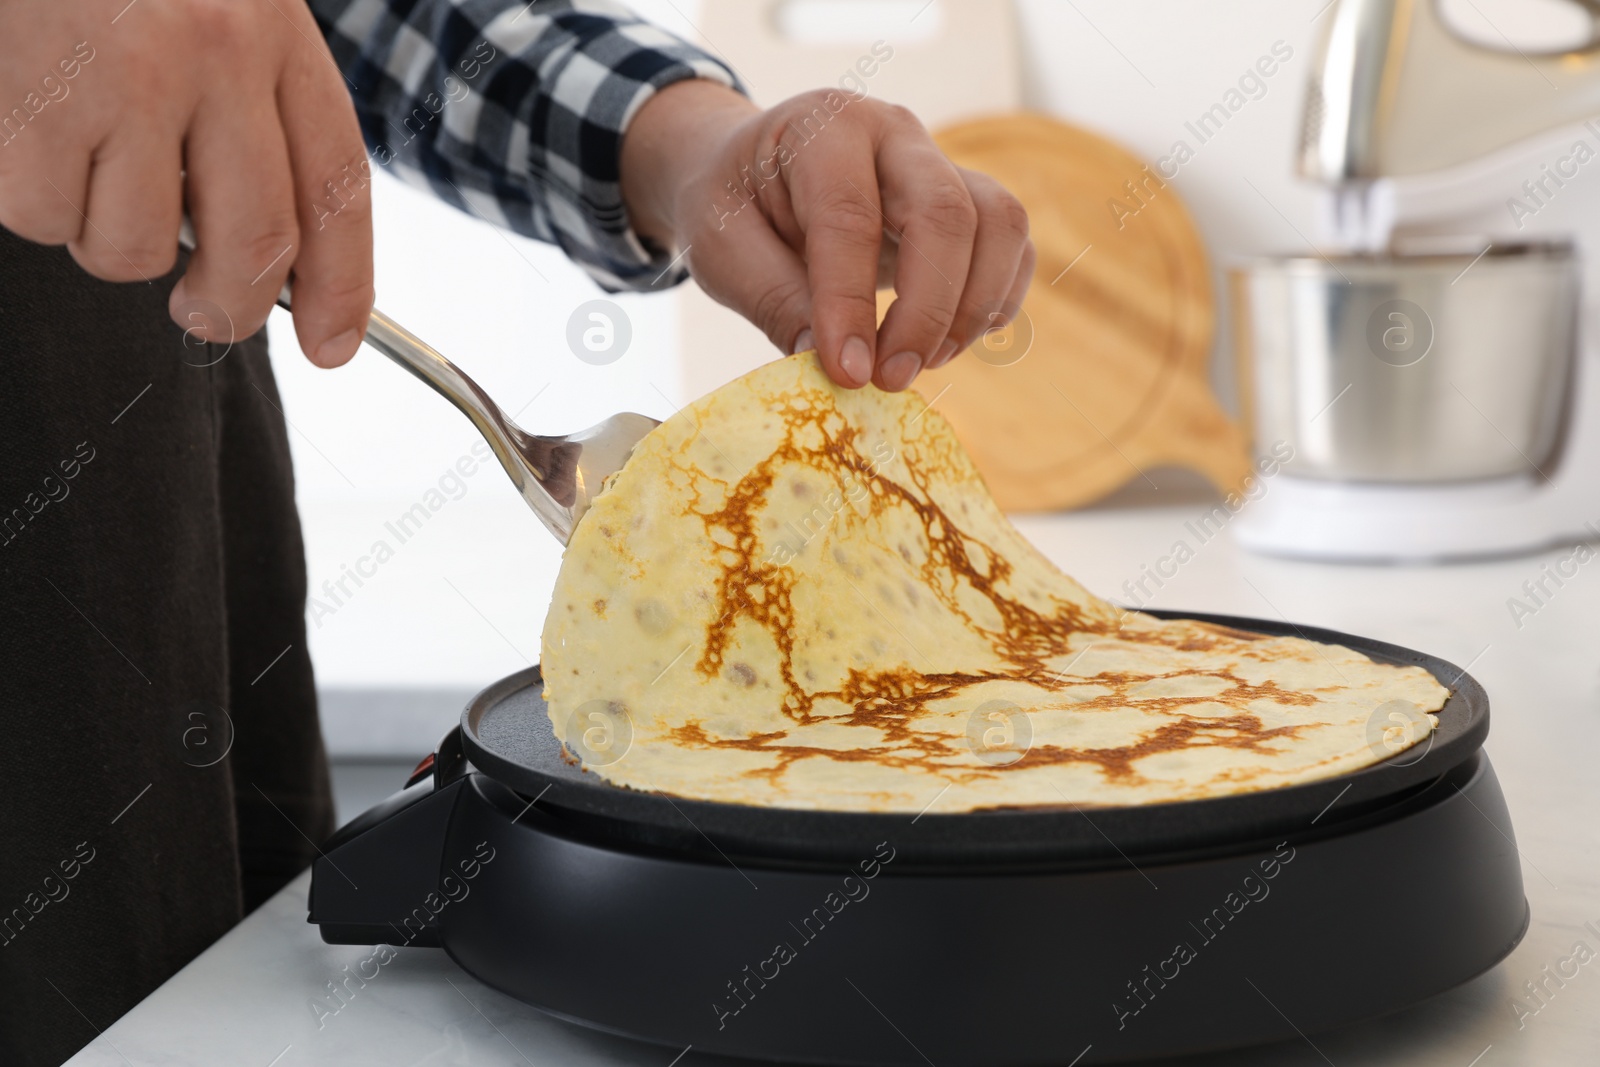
(507,734)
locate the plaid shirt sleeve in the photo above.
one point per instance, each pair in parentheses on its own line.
(515,111)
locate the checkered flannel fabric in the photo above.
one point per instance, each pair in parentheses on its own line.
(514,112)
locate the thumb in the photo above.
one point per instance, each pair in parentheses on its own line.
(752,271)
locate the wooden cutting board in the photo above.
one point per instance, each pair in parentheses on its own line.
(1103,376)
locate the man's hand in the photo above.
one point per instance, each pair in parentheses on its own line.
(114,117)
(794,217)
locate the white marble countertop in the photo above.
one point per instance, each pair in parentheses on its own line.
(245,1002)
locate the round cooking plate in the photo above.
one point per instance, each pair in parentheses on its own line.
(506,733)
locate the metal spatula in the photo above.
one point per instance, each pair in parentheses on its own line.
(557,476)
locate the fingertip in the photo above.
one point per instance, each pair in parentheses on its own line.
(179,309)
(178,297)
(855,363)
(899,371)
(203,319)
(336,351)
(330,322)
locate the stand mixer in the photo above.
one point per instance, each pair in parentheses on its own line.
(1437,391)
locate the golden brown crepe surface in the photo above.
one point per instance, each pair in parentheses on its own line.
(802,596)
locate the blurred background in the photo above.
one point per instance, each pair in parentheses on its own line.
(462,600)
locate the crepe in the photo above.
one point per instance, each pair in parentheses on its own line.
(802,596)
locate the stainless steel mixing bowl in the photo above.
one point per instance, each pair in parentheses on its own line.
(1408,368)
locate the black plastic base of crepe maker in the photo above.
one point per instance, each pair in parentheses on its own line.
(872,961)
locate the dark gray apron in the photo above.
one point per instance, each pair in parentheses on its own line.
(162,769)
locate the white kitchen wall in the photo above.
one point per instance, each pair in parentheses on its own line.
(462,601)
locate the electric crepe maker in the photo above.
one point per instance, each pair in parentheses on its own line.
(1024,936)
